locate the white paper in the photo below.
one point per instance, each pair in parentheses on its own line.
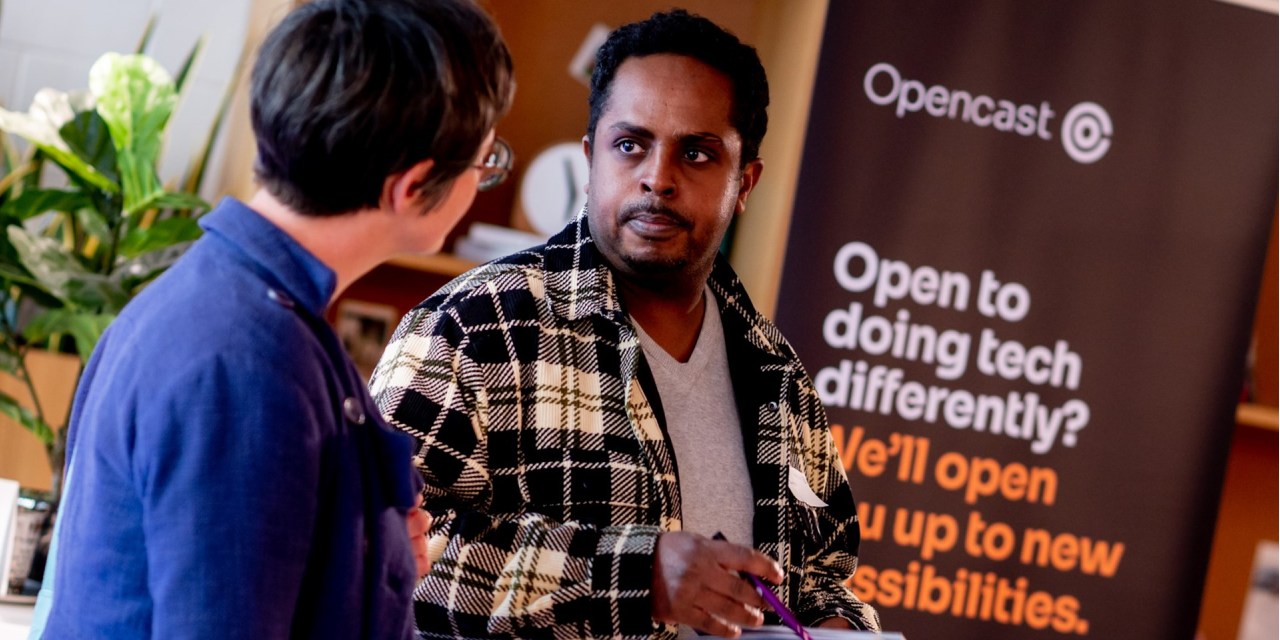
(801,490)
(778,632)
(8,527)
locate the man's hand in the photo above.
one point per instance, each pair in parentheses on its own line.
(834,622)
(418,522)
(695,583)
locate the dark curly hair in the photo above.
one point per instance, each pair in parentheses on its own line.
(682,33)
(348,92)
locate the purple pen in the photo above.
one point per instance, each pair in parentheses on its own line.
(765,592)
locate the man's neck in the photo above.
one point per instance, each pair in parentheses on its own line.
(671,314)
(351,244)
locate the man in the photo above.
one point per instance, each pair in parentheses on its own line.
(554,391)
(229,476)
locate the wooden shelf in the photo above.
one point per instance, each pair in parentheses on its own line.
(1260,416)
(445,264)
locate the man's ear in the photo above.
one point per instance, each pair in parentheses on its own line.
(750,176)
(586,151)
(401,191)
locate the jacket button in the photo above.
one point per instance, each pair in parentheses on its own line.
(773,406)
(280,298)
(352,410)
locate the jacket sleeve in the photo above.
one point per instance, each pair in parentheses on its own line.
(824,592)
(513,573)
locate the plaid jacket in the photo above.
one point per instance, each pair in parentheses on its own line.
(547,467)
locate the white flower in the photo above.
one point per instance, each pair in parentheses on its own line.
(50,109)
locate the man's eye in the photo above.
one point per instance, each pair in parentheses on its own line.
(697,155)
(628,146)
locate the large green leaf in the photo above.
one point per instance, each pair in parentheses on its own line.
(149,30)
(138,181)
(176,200)
(89,138)
(72,164)
(50,110)
(161,234)
(34,202)
(94,223)
(63,276)
(184,71)
(28,420)
(15,273)
(85,328)
(135,273)
(36,293)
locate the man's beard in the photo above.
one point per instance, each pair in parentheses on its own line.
(655,266)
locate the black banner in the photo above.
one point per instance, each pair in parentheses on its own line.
(1021,271)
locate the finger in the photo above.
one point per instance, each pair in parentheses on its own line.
(705,622)
(736,557)
(421,556)
(417,501)
(418,523)
(424,565)
(730,611)
(835,622)
(733,588)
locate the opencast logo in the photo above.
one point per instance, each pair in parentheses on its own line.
(1086,129)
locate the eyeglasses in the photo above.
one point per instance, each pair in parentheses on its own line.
(497,164)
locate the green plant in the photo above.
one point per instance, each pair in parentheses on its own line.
(71,258)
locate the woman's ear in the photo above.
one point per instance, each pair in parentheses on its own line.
(402,192)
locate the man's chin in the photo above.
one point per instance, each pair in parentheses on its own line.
(655,266)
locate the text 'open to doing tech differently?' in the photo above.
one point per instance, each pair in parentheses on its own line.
(873,387)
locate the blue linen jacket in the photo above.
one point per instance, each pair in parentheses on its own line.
(231,475)
(548,470)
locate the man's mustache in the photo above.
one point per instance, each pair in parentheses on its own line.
(653,208)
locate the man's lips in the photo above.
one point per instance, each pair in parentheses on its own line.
(653,221)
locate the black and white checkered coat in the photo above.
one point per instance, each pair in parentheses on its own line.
(547,467)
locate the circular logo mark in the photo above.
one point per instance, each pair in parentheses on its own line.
(1086,132)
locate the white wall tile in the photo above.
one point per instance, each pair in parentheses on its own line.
(88,27)
(180,23)
(9,64)
(187,130)
(38,70)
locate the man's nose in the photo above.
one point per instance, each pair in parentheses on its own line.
(659,174)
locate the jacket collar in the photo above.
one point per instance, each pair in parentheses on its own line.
(579,283)
(276,257)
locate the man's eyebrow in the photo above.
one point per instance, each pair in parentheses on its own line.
(637,131)
(632,130)
(699,137)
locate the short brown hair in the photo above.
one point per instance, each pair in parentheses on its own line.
(348,92)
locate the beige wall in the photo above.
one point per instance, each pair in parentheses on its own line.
(22,456)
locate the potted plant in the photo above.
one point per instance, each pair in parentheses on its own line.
(72,257)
